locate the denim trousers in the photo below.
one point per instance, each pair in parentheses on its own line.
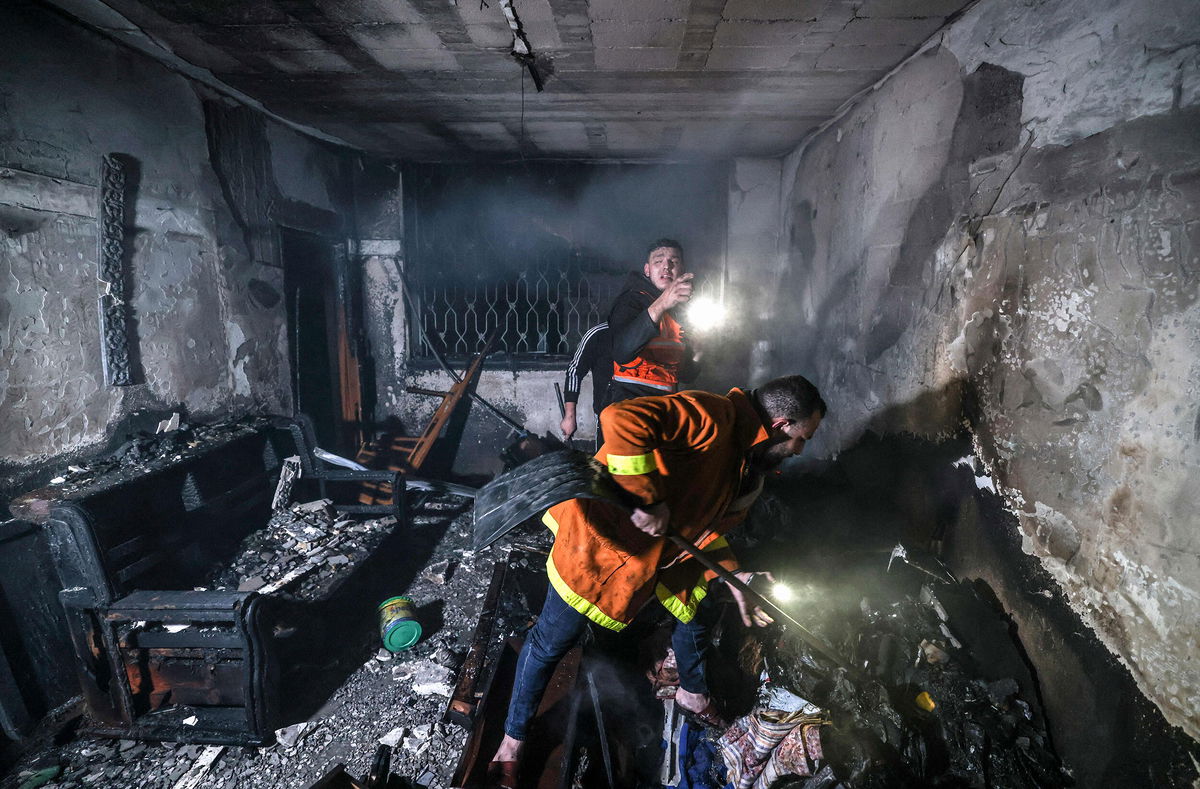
(557,630)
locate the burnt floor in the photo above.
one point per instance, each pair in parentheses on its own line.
(832,534)
(378,696)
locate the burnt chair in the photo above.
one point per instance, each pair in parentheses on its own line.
(329,474)
(156,658)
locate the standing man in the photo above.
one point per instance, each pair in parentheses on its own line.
(693,464)
(594,357)
(650,355)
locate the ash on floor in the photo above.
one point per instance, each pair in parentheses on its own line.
(399,699)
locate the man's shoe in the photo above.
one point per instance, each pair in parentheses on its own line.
(502,775)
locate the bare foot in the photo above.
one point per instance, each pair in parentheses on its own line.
(509,750)
(692,702)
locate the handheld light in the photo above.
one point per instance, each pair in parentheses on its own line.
(706,314)
(783,593)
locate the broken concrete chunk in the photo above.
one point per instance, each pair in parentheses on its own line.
(251,584)
(338,559)
(933,653)
(418,738)
(393,737)
(440,572)
(428,677)
(290,735)
(320,507)
(169,424)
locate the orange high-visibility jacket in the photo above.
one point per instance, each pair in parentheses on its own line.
(688,450)
(657,365)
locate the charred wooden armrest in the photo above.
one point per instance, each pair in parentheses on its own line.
(187,666)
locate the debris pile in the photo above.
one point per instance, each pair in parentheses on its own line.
(302,549)
(176,441)
(920,714)
(399,698)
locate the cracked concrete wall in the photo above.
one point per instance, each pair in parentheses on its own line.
(1004,232)
(208,321)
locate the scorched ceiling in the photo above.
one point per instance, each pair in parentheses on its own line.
(436,79)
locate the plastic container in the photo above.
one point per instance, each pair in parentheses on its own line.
(398,625)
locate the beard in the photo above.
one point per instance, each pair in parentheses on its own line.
(771,456)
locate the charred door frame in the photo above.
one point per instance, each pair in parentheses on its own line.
(339,422)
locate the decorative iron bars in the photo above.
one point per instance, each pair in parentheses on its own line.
(540,312)
(114,311)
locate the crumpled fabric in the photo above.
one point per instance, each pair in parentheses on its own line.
(699,767)
(765,745)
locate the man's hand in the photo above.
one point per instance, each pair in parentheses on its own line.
(568,424)
(653,519)
(678,292)
(752,615)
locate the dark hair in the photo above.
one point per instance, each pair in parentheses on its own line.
(664,242)
(791,397)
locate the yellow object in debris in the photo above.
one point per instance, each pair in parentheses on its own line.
(925,701)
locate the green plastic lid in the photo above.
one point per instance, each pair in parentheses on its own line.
(402,634)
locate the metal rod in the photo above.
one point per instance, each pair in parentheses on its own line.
(601,728)
(809,637)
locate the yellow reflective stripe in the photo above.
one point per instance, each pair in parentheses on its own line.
(684,612)
(628,465)
(551,524)
(629,379)
(577,601)
(717,544)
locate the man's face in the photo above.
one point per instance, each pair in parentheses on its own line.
(663,265)
(788,438)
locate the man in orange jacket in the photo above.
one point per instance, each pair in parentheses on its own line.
(693,463)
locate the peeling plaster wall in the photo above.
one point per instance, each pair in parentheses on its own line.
(207,317)
(1005,232)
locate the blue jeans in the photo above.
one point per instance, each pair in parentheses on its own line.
(557,630)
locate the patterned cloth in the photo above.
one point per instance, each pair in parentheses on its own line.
(768,744)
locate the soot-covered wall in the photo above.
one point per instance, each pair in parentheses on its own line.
(1004,232)
(208,183)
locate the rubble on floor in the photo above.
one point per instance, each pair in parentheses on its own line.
(176,441)
(920,713)
(301,549)
(398,698)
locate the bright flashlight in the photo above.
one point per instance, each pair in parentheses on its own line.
(783,593)
(706,313)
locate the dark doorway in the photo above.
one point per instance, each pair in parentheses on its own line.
(311,283)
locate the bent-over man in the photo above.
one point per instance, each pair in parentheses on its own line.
(693,464)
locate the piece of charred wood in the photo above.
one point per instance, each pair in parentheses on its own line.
(467,691)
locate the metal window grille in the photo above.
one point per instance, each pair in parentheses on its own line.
(540,312)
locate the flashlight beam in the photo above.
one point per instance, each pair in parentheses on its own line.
(809,637)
